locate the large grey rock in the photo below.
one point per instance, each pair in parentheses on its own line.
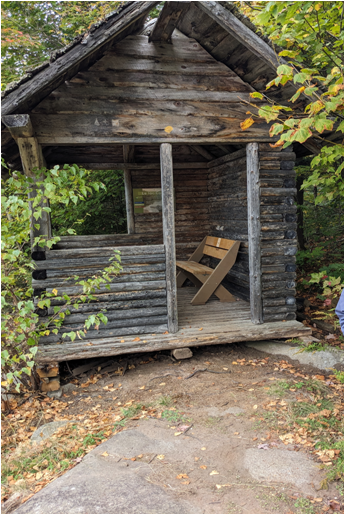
(320,359)
(102,484)
(283,466)
(47,430)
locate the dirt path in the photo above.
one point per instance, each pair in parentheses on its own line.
(226,439)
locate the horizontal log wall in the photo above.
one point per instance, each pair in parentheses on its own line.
(148,92)
(227,200)
(278,233)
(135,302)
(191,208)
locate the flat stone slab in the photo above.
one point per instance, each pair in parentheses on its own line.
(218,412)
(102,484)
(47,430)
(323,360)
(283,466)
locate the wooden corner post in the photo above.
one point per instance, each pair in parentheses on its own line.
(167,181)
(128,157)
(32,158)
(254,231)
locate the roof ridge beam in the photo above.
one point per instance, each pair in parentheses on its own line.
(167,21)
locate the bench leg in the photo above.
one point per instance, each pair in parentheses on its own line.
(180,279)
(222,293)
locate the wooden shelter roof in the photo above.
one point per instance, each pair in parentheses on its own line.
(218,27)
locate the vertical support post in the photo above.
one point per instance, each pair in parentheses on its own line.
(128,157)
(254,232)
(31,155)
(167,180)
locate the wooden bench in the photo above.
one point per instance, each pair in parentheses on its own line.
(204,277)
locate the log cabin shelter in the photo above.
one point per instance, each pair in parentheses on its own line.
(163,101)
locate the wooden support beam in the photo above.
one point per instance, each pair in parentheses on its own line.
(19,125)
(167,181)
(254,231)
(167,22)
(31,155)
(202,151)
(128,157)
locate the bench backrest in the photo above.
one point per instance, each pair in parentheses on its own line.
(217,247)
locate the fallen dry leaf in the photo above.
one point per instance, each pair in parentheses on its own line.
(255,406)
(182,476)
(203,467)
(142,387)
(160,457)
(104,453)
(214,473)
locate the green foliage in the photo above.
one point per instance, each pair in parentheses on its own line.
(309,32)
(32,30)
(103,212)
(339,374)
(21,330)
(331,286)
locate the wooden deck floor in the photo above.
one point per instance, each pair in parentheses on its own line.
(213,323)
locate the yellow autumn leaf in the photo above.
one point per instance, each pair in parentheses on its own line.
(160,457)
(214,473)
(104,453)
(247,123)
(168,129)
(55,292)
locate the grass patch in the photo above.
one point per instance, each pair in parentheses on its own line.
(127,413)
(304,505)
(309,347)
(279,389)
(165,400)
(339,375)
(43,461)
(173,416)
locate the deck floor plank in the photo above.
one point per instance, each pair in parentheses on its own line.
(213,323)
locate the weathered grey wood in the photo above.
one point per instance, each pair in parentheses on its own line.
(140,166)
(27,95)
(94,307)
(128,157)
(228,158)
(87,272)
(32,158)
(118,287)
(167,22)
(221,323)
(254,229)
(243,34)
(19,125)
(61,284)
(108,251)
(203,152)
(167,181)
(112,315)
(128,128)
(46,341)
(121,296)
